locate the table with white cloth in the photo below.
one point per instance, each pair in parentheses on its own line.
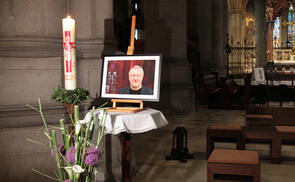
(124,124)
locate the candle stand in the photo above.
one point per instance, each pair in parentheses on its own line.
(179,150)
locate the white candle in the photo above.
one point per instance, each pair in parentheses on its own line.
(68,25)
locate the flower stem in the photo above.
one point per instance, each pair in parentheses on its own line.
(45,175)
(56,156)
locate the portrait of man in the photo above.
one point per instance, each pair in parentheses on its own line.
(136,75)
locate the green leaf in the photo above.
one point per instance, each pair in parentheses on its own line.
(70,96)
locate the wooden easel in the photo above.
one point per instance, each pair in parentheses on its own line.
(126,109)
(130,51)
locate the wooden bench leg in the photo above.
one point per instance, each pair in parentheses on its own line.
(210,175)
(279,151)
(210,146)
(239,144)
(257,176)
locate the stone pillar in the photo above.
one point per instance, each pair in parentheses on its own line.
(204,21)
(235,25)
(269,55)
(31,52)
(284,29)
(235,12)
(31,59)
(166,30)
(31,29)
(219,31)
(94,27)
(94,37)
(260,33)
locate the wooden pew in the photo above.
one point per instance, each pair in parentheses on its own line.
(285,136)
(259,116)
(282,116)
(247,90)
(207,85)
(227,89)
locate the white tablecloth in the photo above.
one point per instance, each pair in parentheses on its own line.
(143,121)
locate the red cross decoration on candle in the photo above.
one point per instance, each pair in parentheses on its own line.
(68,46)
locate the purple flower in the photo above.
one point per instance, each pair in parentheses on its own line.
(60,150)
(67,180)
(70,155)
(91,156)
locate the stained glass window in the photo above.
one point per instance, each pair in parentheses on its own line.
(276,32)
(291,18)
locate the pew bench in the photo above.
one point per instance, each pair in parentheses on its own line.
(285,136)
(233,165)
(222,133)
(208,85)
(233,87)
(227,90)
(261,135)
(259,120)
(282,116)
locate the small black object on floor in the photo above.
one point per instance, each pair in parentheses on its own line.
(180,150)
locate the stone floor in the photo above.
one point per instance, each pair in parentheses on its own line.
(151,149)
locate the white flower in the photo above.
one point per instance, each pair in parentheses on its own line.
(78,169)
(83,121)
(70,171)
(77,127)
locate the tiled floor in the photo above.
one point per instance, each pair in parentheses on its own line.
(151,149)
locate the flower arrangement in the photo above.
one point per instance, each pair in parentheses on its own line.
(75,161)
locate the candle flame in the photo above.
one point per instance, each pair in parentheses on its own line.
(69,17)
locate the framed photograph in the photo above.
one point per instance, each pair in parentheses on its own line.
(131,77)
(259,73)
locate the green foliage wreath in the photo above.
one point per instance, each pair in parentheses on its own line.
(70,96)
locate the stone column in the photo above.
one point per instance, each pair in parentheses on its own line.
(219,31)
(31,29)
(260,33)
(269,55)
(31,52)
(166,30)
(236,25)
(284,29)
(235,12)
(94,27)
(94,37)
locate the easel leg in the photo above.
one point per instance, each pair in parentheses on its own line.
(125,149)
